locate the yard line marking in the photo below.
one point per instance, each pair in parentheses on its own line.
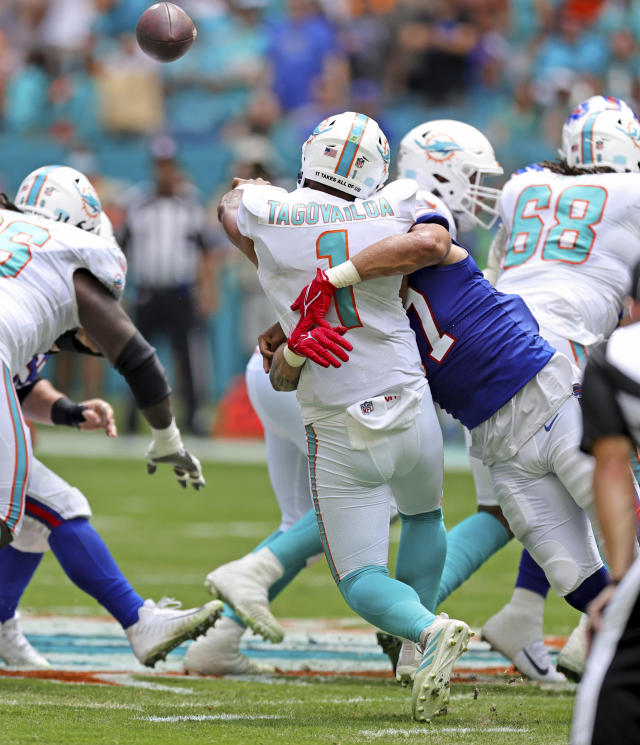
(208,718)
(70,704)
(435,730)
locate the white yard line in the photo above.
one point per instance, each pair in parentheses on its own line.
(209,718)
(435,730)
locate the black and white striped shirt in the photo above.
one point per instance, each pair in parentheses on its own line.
(163,239)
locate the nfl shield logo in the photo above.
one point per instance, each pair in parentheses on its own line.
(366,407)
(360,161)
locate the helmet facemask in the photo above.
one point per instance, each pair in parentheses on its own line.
(451,159)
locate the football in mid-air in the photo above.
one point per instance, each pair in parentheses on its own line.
(165,32)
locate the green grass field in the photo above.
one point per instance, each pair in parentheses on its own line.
(166,540)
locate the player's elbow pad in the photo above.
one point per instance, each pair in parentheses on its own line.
(140,367)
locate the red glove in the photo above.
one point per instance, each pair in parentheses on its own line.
(314,301)
(320,344)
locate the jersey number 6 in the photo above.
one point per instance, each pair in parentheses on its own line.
(16,239)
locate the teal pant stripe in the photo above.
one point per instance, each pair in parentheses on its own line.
(351,145)
(580,353)
(312,446)
(22,459)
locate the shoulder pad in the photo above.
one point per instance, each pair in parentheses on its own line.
(400,189)
(255,198)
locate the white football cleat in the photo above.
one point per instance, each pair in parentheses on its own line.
(218,653)
(162,626)
(443,642)
(572,658)
(408,661)
(512,633)
(244,585)
(15,648)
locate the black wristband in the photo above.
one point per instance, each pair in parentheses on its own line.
(67,412)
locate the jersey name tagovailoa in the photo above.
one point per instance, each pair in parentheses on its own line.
(311,213)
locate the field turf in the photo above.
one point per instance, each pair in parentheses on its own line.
(166,540)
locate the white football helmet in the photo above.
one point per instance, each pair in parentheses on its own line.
(348,152)
(60,193)
(602,131)
(450,159)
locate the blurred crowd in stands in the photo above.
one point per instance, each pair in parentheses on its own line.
(75,89)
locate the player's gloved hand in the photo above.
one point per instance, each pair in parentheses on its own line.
(167,447)
(314,301)
(319,345)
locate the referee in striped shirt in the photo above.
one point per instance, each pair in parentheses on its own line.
(164,237)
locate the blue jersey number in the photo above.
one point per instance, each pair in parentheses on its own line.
(16,239)
(570,238)
(334,245)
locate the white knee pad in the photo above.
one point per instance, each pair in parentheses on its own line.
(33,537)
(562,571)
(52,493)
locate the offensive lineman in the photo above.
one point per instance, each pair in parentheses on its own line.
(366,431)
(55,276)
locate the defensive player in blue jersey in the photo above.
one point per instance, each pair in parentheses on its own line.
(489,368)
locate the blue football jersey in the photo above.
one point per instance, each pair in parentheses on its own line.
(478,346)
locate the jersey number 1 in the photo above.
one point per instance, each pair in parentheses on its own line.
(16,239)
(334,245)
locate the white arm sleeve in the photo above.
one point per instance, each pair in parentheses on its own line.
(496,254)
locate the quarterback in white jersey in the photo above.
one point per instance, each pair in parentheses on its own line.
(55,276)
(371,425)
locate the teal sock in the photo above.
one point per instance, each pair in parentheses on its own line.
(469,544)
(386,603)
(415,566)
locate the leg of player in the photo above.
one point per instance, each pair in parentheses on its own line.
(474,540)
(249,585)
(345,464)
(469,545)
(516,629)
(16,569)
(56,517)
(16,449)
(153,629)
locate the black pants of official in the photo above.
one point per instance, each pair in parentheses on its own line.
(617,720)
(171,313)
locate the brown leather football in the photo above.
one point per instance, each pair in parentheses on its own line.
(165,32)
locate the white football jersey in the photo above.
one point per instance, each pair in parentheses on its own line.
(293,234)
(426,201)
(572,242)
(38,258)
